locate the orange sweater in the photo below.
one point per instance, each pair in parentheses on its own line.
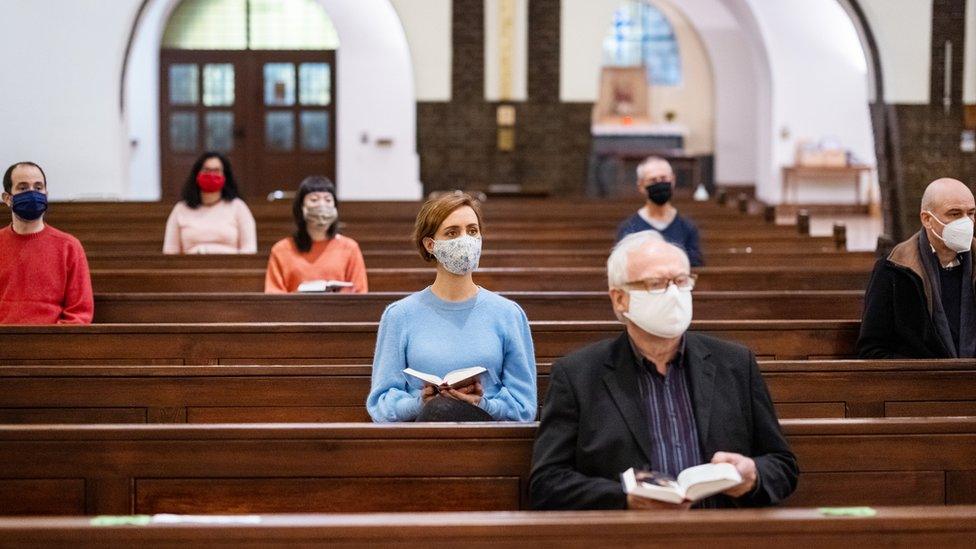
(335,259)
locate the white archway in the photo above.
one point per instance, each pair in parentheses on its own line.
(376,122)
(767,59)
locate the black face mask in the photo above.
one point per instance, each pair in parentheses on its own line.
(659,193)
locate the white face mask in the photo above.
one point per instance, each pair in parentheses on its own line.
(665,314)
(458,255)
(957,235)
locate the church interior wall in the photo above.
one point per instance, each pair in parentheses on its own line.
(63,95)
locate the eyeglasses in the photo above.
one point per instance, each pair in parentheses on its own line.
(685,283)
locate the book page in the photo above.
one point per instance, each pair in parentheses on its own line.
(422,376)
(456,377)
(652,485)
(705,480)
(312,286)
(323,285)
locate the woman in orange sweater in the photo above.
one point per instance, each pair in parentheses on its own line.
(316,252)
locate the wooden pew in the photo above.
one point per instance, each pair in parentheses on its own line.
(792,277)
(916,526)
(71,470)
(256,394)
(354,342)
(578,211)
(542,229)
(408,258)
(102,240)
(253,307)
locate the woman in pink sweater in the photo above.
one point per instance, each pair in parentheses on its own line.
(211,219)
(316,253)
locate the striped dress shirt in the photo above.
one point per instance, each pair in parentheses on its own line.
(671,418)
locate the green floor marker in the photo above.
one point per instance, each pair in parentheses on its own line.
(847,511)
(121,520)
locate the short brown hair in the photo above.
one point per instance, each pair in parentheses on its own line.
(434,212)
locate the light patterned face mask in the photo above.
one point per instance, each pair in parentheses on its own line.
(459,255)
(320,216)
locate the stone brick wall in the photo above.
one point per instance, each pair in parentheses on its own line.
(929,135)
(457,141)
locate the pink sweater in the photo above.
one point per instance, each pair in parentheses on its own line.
(223,228)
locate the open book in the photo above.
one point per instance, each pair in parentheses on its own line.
(323,286)
(454,379)
(692,484)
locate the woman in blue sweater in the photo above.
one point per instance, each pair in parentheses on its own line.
(453,324)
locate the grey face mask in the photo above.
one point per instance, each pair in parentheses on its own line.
(458,255)
(320,216)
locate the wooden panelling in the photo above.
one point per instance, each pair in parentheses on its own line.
(931,408)
(281,414)
(354,342)
(961,487)
(71,415)
(144,308)
(528,279)
(337,393)
(911,488)
(347,495)
(789,410)
(53,496)
(490,258)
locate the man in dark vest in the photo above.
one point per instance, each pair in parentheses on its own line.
(920,301)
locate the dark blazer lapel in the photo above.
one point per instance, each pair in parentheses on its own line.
(701,370)
(621,382)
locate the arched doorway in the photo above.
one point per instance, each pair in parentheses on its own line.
(375,127)
(252,79)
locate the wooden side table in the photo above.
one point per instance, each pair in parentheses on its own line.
(792,175)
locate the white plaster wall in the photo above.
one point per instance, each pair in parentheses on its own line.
(141,114)
(520,51)
(751,60)
(376,101)
(427,24)
(375,89)
(585,26)
(739,73)
(59,98)
(820,88)
(903,30)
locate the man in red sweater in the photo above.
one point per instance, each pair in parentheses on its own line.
(43,272)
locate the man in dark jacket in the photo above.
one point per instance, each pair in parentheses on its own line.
(920,301)
(656,397)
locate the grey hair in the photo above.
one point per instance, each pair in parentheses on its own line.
(652,160)
(617,262)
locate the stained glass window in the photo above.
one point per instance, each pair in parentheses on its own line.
(250,24)
(642,35)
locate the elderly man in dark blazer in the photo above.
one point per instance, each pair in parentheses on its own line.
(656,397)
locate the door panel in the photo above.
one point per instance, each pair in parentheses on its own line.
(271,112)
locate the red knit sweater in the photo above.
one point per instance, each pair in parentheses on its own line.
(44,279)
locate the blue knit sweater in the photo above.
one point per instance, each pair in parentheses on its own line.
(681,231)
(431,335)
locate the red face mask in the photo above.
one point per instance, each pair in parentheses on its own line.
(210,182)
